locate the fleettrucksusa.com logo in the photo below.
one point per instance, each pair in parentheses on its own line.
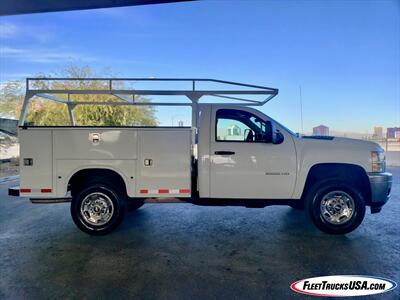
(343,286)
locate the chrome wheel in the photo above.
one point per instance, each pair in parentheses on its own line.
(97,209)
(337,207)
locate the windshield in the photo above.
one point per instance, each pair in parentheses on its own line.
(287,129)
(279,124)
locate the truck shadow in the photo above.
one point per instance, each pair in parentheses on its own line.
(251,251)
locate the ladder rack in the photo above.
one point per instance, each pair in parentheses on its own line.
(234,91)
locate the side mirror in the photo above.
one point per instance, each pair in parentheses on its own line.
(276,135)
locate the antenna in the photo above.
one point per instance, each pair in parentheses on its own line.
(301,110)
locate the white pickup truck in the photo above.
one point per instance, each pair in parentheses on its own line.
(232,155)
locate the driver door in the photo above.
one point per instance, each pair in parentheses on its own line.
(245,164)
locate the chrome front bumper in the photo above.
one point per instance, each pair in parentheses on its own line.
(381,186)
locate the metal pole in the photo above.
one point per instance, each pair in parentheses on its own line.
(70,112)
(195,115)
(24,111)
(301,111)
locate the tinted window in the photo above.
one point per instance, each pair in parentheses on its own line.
(241,126)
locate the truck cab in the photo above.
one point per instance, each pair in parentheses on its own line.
(243,154)
(233,154)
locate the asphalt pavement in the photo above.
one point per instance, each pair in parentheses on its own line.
(182,251)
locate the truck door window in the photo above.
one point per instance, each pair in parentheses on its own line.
(240,126)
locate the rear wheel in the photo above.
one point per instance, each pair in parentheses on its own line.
(335,207)
(97,209)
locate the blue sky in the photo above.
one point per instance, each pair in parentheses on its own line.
(344,54)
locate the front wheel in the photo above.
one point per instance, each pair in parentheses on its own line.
(97,209)
(335,207)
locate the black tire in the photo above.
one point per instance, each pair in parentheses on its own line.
(316,195)
(133,204)
(116,211)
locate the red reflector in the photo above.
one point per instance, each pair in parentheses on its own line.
(162,191)
(144,191)
(24,190)
(45,190)
(184,191)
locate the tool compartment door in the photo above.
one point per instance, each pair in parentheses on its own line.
(164,165)
(36,162)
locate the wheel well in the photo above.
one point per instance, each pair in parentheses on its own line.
(86,176)
(353,174)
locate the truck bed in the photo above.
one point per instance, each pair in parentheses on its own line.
(153,161)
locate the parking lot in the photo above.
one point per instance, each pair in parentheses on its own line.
(186,251)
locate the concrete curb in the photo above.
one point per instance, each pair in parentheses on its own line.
(8,178)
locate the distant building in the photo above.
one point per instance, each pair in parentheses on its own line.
(234,130)
(391,132)
(321,130)
(230,133)
(378,132)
